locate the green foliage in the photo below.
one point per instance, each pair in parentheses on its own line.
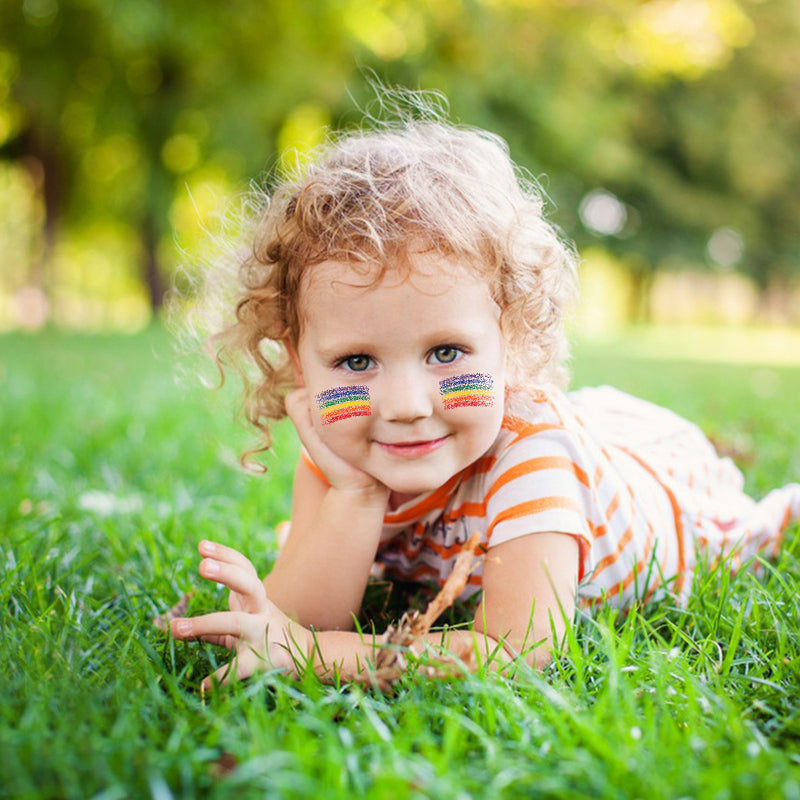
(685,111)
(111,473)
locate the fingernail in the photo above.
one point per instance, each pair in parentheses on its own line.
(185,626)
(211,567)
(209,547)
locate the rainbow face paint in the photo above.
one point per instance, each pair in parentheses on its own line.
(343,402)
(472,389)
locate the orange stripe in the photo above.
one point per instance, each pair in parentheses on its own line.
(423,571)
(612,558)
(615,591)
(612,506)
(552,406)
(445,552)
(523,428)
(621,545)
(436,501)
(533,507)
(676,514)
(599,531)
(467,509)
(480,467)
(777,541)
(619,588)
(411,552)
(536,465)
(639,569)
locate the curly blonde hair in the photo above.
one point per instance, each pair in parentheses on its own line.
(371,197)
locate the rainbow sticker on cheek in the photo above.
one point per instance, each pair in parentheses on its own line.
(472,389)
(343,403)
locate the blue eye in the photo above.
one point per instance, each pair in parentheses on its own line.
(446,354)
(357,363)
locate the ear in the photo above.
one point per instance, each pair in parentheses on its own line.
(295,359)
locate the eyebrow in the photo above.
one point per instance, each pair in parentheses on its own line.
(344,349)
(444,336)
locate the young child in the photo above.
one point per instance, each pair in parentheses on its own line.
(405,297)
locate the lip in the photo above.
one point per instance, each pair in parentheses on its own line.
(413,449)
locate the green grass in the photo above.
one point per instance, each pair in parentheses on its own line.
(111,473)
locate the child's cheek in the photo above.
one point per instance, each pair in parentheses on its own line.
(470,389)
(343,402)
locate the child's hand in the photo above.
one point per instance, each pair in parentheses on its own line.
(339,473)
(255,630)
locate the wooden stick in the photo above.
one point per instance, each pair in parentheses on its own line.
(392,661)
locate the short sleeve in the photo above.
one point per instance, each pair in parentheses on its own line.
(540,484)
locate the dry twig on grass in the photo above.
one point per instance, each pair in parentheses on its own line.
(392,659)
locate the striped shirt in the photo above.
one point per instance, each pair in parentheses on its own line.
(641,489)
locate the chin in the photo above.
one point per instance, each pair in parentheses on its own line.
(415,487)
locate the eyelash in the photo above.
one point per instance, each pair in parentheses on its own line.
(342,362)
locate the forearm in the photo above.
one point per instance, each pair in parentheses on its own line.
(320,576)
(353,656)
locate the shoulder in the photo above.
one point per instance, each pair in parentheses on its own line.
(542,451)
(540,479)
(538,460)
(538,422)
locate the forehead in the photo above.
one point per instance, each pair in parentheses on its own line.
(425,279)
(344,306)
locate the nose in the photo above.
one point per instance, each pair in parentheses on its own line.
(404,395)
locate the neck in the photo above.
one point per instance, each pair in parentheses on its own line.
(396,499)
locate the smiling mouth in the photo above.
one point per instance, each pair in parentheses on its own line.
(413,449)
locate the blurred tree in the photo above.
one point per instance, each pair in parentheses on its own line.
(716,154)
(678,117)
(667,128)
(119,100)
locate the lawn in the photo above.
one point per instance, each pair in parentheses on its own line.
(112,471)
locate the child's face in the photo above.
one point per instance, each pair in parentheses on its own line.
(401,339)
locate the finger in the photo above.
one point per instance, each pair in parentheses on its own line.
(236,624)
(228,642)
(240,581)
(182,631)
(219,552)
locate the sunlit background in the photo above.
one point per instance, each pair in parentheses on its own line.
(665,134)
